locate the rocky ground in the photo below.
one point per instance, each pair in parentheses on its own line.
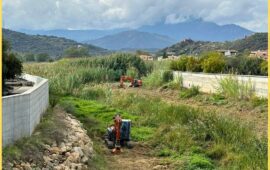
(74,152)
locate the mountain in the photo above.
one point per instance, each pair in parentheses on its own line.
(257,41)
(54,46)
(76,35)
(133,40)
(197,29)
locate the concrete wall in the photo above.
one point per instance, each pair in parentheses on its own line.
(209,83)
(22,112)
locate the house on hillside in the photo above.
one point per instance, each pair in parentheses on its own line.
(263,54)
(228,53)
(173,57)
(147,57)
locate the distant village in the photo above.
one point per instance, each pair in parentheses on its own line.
(263,54)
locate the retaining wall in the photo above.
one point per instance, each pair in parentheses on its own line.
(209,83)
(22,112)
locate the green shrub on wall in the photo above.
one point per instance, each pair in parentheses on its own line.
(215,63)
(193,64)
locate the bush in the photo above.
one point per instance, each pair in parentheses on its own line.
(179,64)
(193,64)
(214,63)
(42,57)
(132,72)
(250,66)
(264,68)
(12,66)
(76,52)
(231,87)
(167,76)
(187,93)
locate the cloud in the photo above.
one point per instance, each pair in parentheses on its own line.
(106,14)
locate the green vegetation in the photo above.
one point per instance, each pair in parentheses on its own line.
(214,62)
(196,138)
(257,41)
(51,45)
(200,139)
(231,87)
(190,92)
(68,76)
(76,52)
(12,66)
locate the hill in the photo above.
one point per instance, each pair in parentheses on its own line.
(54,46)
(257,41)
(197,29)
(133,40)
(194,28)
(76,35)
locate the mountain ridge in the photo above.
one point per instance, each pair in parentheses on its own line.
(52,45)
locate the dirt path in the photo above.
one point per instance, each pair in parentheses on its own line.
(138,158)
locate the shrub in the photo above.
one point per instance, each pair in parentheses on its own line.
(12,66)
(215,63)
(132,72)
(250,66)
(187,93)
(179,64)
(200,162)
(42,57)
(167,76)
(231,87)
(193,64)
(76,52)
(264,68)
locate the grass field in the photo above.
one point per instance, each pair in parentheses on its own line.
(186,128)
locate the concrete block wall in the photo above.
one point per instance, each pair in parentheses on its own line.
(209,83)
(22,112)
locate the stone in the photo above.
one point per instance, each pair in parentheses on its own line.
(67,154)
(84,159)
(47,159)
(78,150)
(55,150)
(74,157)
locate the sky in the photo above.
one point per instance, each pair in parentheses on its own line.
(109,14)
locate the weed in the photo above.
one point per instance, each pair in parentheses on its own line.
(191,92)
(199,162)
(232,88)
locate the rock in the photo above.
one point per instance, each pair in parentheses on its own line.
(55,150)
(74,157)
(84,159)
(54,156)
(54,144)
(67,154)
(26,166)
(47,159)
(78,150)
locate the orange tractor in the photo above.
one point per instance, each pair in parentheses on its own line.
(133,82)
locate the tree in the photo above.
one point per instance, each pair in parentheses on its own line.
(165,55)
(76,52)
(248,65)
(42,57)
(264,68)
(12,66)
(213,62)
(193,64)
(29,57)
